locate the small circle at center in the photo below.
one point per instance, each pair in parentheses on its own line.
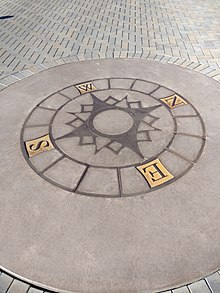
(113,122)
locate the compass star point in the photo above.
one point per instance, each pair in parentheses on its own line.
(128,139)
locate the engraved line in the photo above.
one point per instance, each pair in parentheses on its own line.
(45,108)
(207,283)
(132,84)
(181,156)
(51,165)
(189,134)
(51,181)
(96,195)
(123,78)
(196,66)
(190,64)
(109,84)
(9,286)
(204,68)
(187,116)
(81,179)
(157,88)
(215,74)
(65,96)
(147,56)
(35,125)
(6,17)
(176,60)
(119,182)
(142,53)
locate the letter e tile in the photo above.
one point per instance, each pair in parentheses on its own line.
(155,173)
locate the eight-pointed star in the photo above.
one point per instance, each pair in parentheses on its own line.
(126,140)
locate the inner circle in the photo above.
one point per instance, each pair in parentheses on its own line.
(113,122)
(112,128)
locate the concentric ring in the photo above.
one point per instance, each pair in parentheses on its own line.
(152,123)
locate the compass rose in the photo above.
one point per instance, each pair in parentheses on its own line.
(121,128)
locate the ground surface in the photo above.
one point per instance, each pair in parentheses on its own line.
(184,33)
(116,146)
(46,30)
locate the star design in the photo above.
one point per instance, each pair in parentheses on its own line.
(115,143)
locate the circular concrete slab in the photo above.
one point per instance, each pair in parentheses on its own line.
(107,132)
(123,191)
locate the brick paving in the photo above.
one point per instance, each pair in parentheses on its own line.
(45,30)
(10,284)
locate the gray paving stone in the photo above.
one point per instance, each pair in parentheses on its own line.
(5,282)
(2,87)
(101,84)
(217,77)
(70,92)
(128,177)
(19,75)
(181,144)
(100,181)
(121,83)
(31,133)
(181,290)
(189,125)
(162,93)
(40,117)
(144,86)
(9,80)
(6,82)
(44,160)
(173,163)
(199,287)
(48,65)
(70,178)
(34,290)
(18,287)
(26,73)
(54,102)
(184,110)
(214,282)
